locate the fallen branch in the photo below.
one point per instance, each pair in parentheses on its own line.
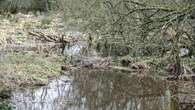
(122,68)
(50,38)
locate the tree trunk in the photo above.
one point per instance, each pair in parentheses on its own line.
(176,52)
(192,20)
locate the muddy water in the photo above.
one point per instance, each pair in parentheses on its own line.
(96,90)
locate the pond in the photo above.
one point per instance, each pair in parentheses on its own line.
(100,90)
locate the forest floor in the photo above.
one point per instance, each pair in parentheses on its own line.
(27,60)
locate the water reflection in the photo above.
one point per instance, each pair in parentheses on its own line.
(45,98)
(108,90)
(95,90)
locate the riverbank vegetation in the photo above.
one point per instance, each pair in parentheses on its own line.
(28,61)
(156,33)
(138,28)
(28,69)
(143,37)
(152,35)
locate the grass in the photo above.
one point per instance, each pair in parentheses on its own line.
(28,69)
(46,21)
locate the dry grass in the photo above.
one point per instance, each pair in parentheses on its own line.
(24,68)
(28,69)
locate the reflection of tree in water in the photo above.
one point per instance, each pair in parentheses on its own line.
(109,90)
(106,90)
(183,95)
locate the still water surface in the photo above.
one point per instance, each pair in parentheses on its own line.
(96,90)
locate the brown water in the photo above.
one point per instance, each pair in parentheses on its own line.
(104,90)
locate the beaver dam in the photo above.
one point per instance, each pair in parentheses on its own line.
(97,55)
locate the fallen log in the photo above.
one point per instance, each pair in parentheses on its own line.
(126,69)
(190,77)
